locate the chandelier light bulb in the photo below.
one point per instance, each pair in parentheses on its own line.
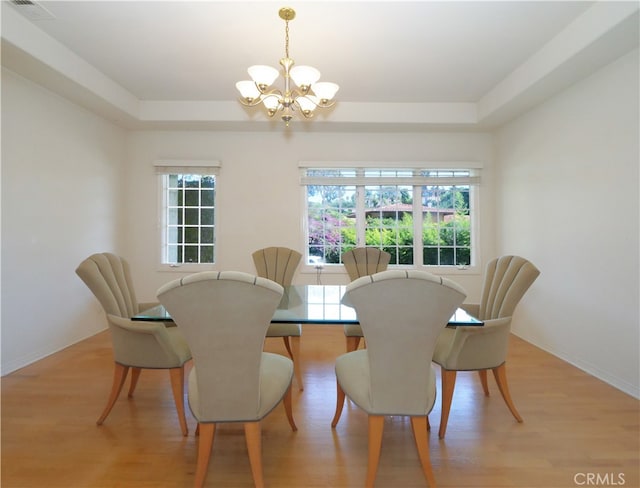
(325,90)
(248,90)
(304,76)
(271,103)
(262,75)
(307,104)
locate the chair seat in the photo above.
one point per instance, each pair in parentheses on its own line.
(443,345)
(147,345)
(473,348)
(353,369)
(284,330)
(180,346)
(276,373)
(353,330)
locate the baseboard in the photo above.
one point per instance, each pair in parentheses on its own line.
(18,363)
(616,382)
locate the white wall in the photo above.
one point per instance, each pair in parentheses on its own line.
(74,184)
(260,199)
(569,202)
(61,174)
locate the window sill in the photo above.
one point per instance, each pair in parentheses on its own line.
(338,269)
(186,268)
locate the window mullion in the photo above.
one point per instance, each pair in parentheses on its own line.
(361,218)
(417,226)
(198,223)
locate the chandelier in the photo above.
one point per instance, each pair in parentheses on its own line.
(307,95)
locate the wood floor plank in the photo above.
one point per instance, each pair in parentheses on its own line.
(573,424)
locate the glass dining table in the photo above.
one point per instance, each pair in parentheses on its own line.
(310,304)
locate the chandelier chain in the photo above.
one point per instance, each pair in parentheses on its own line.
(286,38)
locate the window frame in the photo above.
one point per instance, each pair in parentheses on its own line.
(474,168)
(164,168)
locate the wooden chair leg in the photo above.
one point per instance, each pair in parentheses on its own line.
(483,380)
(339,405)
(376,427)
(500,374)
(253,436)
(420,426)
(177,386)
(135,374)
(287,345)
(297,364)
(448,385)
(119,377)
(288,409)
(352,343)
(205,443)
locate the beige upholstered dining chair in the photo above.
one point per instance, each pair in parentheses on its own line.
(362,261)
(224,317)
(401,313)
(279,264)
(485,348)
(136,345)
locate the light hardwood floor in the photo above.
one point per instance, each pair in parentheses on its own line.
(574,426)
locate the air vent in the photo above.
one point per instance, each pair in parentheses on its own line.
(32,10)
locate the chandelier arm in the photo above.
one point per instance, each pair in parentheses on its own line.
(274,92)
(322,104)
(278,95)
(295,94)
(307,114)
(326,104)
(254,102)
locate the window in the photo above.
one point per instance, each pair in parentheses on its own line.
(188,212)
(422,217)
(446,221)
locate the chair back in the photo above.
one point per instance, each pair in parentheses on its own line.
(109,278)
(277,264)
(224,318)
(401,314)
(506,281)
(363,261)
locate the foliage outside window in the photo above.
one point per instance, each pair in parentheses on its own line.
(421,217)
(446,225)
(188,215)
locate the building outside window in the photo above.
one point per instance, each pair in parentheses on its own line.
(188,212)
(422,217)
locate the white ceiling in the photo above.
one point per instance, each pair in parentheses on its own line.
(405,64)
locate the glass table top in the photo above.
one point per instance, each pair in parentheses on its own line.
(310,304)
